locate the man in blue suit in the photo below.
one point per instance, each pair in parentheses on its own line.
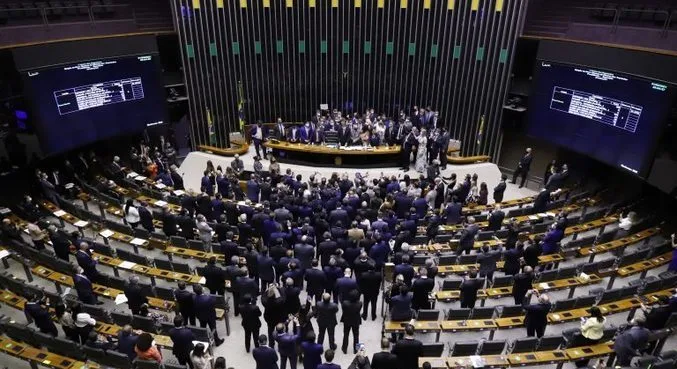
(329,357)
(345,285)
(127,339)
(253,189)
(36,310)
(287,343)
(83,286)
(146,217)
(266,268)
(306,133)
(467,240)
(86,262)
(182,341)
(206,184)
(264,355)
(205,311)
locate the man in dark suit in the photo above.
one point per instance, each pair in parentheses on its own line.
(487,262)
(326,319)
(146,217)
(496,218)
(408,349)
(287,343)
(631,342)
(189,203)
(316,280)
(264,355)
(523,167)
(384,359)
(266,268)
(168,222)
(37,311)
(182,341)
(408,143)
(541,201)
(246,285)
(83,286)
(127,339)
(87,263)
(522,283)
(215,278)
(176,178)
(405,269)
(536,315)
(60,241)
(421,288)
(329,357)
(557,180)
(205,311)
(251,321)
(369,284)
(467,240)
(351,319)
(135,294)
(469,287)
(499,190)
(184,300)
(345,285)
(304,252)
(280,132)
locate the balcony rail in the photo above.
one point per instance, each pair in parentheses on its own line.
(65,14)
(623,16)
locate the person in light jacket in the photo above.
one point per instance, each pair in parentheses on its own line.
(592,330)
(204,230)
(200,357)
(132,214)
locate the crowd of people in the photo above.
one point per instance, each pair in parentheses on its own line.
(419,133)
(330,236)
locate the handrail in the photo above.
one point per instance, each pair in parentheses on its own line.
(90,11)
(619,11)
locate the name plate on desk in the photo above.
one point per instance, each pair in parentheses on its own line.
(139,178)
(4,211)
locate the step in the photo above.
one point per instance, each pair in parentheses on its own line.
(544,34)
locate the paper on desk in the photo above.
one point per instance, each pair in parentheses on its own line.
(477,361)
(160,203)
(4,254)
(126,265)
(533,217)
(160,185)
(106,233)
(81,223)
(120,299)
(132,175)
(552,215)
(202,280)
(137,241)
(179,192)
(543,285)
(139,178)
(542,215)
(5,211)
(59,213)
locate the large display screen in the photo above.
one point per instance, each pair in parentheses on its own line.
(613,117)
(77,104)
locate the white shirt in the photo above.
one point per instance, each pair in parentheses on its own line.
(625,224)
(132,215)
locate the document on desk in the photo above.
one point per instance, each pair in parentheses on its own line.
(127,265)
(533,217)
(160,203)
(160,185)
(59,213)
(140,178)
(477,361)
(120,299)
(179,192)
(106,233)
(132,175)
(81,224)
(4,211)
(138,241)
(3,254)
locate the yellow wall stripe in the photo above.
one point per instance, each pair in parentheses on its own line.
(426,4)
(196,4)
(219,4)
(290,3)
(475,5)
(380,3)
(243,4)
(499,5)
(403,4)
(334,3)
(311,3)
(450,4)
(266,3)
(358,3)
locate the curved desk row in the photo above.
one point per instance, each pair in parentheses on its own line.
(322,155)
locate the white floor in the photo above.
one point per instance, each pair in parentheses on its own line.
(195,163)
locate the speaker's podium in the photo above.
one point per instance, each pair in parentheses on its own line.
(331,137)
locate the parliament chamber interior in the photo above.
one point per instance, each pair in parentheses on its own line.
(326,184)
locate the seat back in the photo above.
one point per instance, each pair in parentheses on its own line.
(585,301)
(67,347)
(197,245)
(466,348)
(451,285)
(162,263)
(547,276)
(432,350)
(503,281)
(492,347)
(164,293)
(569,272)
(561,305)
(483,312)
(201,334)
(121,318)
(115,359)
(177,241)
(141,233)
(467,259)
(521,345)
(508,311)
(144,323)
(428,314)
(447,260)
(548,343)
(181,267)
(17,331)
(146,364)
(94,354)
(458,314)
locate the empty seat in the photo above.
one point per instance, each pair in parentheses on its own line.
(181,267)
(466,348)
(504,281)
(144,323)
(141,233)
(451,285)
(67,347)
(196,245)
(102,249)
(561,305)
(564,273)
(492,348)
(485,235)
(17,331)
(432,350)
(177,241)
(121,318)
(467,259)
(547,276)
(164,293)
(428,314)
(483,313)
(115,359)
(458,314)
(447,260)
(146,364)
(585,302)
(94,354)
(511,311)
(521,345)
(134,258)
(419,260)
(161,263)
(548,343)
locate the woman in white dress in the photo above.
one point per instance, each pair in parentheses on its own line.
(422,152)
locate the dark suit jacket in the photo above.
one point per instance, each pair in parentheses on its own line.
(384,360)
(247,286)
(182,339)
(126,344)
(496,220)
(326,313)
(467,240)
(184,299)
(351,313)
(521,284)
(408,351)
(250,316)
(499,190)
(469,288)
(265,357)
(316,280)
(421,288)
(287,342)
(83,286)
(369,283)
(135,296)
(536,314)
(344,285)
(400,307)
(146,219)
(205,308)
(215,278)
(169,224)
(525,161)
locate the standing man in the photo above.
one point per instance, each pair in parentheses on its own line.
(136,296)
(256,133)
(522,283)
(408,144)
(536,317)
(205,311)
(369,284)
(37,311)
(631,342)
(250,321)
(264,355)
(422,287)
(329,357)
(523,167)
(351,319)
(287,343)
(83,286)
(496,217)
(467,240)
(384,359)
(499,190)
(326,319)
(182,339)
(408,349)
(280,132)
(184,300)
(469,288)
(215,278)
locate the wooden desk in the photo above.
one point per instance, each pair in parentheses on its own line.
(512,322)
(326,150)
(490,361)
(192,254)
(467,325)
(419,327)
(465,268)
(41,357)
(435,362)
(148,271)
(537,358)
(379,156)
(557,284)
(621,242)
(450,295)
(645,265)
(586,352)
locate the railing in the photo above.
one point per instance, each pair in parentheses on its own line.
(66,14)
(621,16)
